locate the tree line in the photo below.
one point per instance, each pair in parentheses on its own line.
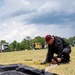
(27,43)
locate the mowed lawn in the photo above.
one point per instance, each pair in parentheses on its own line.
(33,58)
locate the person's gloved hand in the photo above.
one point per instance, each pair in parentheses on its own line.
(53,61)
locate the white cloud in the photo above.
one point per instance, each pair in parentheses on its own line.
(13,26)
(14,6)
(50,6)
(58,6)
(16,31)
(57,30)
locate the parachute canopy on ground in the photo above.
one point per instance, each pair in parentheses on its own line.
(18,69)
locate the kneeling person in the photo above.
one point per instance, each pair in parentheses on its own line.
(58,46)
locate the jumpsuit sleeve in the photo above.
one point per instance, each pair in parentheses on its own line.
(60,48)
(49,55)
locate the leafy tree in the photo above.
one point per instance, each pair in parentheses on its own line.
(27,43)
(40,40)
(3,41)
(14,46)
(69,40)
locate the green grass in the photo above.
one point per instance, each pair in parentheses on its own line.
(34,57)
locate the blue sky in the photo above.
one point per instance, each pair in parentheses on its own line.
(21,18)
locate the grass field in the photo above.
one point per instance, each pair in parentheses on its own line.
(34,57)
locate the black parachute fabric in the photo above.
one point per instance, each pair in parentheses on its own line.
(19,69)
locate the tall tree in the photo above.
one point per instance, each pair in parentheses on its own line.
(14,46)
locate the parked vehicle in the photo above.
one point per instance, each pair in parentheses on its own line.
(3,47)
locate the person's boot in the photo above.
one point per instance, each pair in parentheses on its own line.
(44,62)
